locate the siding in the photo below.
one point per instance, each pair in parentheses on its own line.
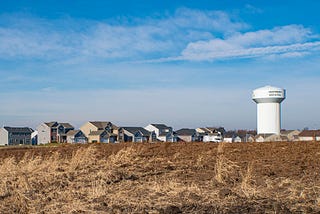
(44,134)
(87,128)
(3,137)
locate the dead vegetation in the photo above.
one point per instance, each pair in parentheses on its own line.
(161,178)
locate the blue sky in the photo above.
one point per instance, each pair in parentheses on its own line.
(183,63)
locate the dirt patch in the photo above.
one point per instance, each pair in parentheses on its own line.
(161,178)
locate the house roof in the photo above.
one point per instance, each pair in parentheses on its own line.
(134,130)
(99,132)
(216,129)
(309,133)
(73,132)
(186,132)
(160,126)
(52,124)
(66,125)
(19,129)
(230,134)
(103,124)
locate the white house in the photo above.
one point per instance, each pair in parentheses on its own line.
(163,133)
(231,137)
(214,137)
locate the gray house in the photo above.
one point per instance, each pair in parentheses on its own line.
(135,134)
(15,135)
(53,132)
(76,136)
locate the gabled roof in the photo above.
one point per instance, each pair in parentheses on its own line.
(103,124)
(66,125)
(134,130)
(186,132)
(18,129)
(52,124)
(309,133)
(73,132)
(160,126)
(100,124)
(99,132)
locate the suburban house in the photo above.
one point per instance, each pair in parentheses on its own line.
(291,135)
(211,130)
(163,133)
(187,135)
(212,137)
(53,132)
(232,137)
(102,136)
(249,138)
(210,134)
(246,135)
(91,128)
(15,136)
(267,138)
(135,134)
(309,135)
(76,136)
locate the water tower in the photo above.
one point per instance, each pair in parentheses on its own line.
(268,101)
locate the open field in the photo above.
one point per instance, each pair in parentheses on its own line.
(161,178)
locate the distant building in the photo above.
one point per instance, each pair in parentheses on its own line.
(15,136)
(91,128)
(76,136)
(51,132)
(309,135)
(231,137)
(135,134)
(210,134)
(187,135)
(290,135)
(163,133)
(102,136)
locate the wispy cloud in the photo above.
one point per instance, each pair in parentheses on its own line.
(291,41)
(29,37)
(191,35)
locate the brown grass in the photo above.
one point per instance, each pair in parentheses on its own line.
(161,178)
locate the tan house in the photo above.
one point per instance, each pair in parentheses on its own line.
(249,138)
(267,138)
(94,126)
(289,135)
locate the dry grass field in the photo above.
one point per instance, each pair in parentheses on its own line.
(161,178)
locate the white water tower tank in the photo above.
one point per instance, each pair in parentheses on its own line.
(268,101)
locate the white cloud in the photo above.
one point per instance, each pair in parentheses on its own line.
(28,37)
(286,41)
